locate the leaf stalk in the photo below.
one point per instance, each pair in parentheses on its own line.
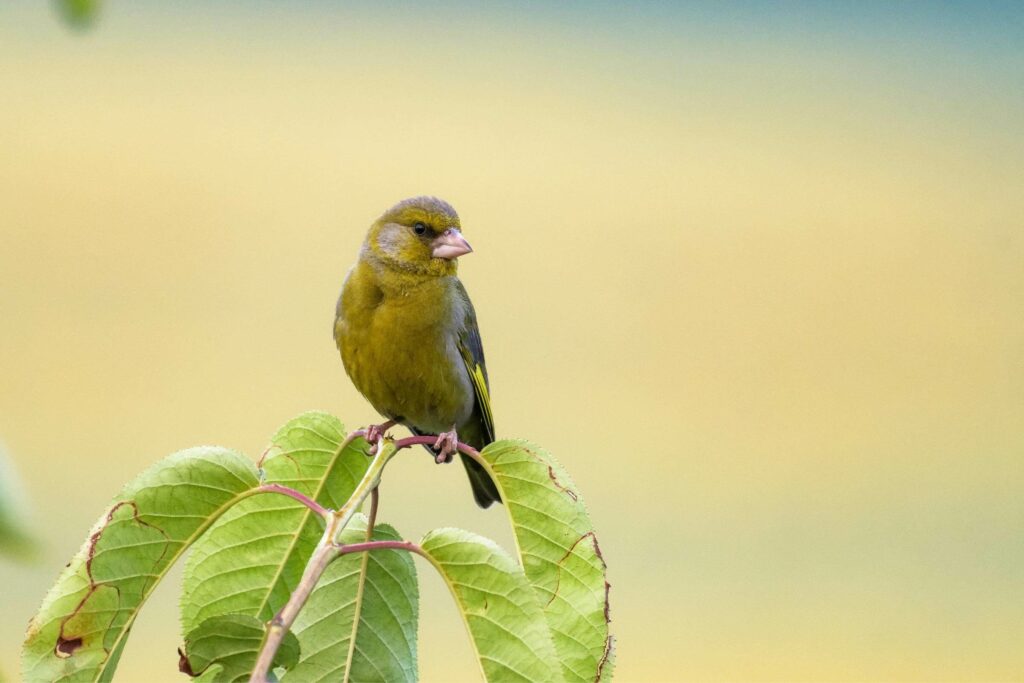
(464,448)
(379,545)
(292,493)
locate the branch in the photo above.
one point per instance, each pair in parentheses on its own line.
(431,440)
(329,547)
(372,517)
(379,545)
(384,452)
(283,620)
(326,551)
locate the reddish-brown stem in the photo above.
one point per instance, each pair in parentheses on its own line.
(430,440)
(292,493)
(379,545)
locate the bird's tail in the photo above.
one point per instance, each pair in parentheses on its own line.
(485,491)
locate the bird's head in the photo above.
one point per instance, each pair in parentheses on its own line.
(420,235)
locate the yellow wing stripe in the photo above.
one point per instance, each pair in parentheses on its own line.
(483,397)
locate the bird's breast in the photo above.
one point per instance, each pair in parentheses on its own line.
(402,354)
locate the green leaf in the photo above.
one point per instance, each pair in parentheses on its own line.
(253,557)
(82,625)
(233,642)
(560,555)
(378,586)
(210,675)
(78,13)
(509,633)
(15,540)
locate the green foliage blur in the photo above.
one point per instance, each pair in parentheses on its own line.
(78,14)
(16,541)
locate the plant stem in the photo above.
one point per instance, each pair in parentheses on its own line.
(371,521)
(326,550)
(385,451)
(380,545)
(372,517)
(292,493)
(283,620)
(430,440)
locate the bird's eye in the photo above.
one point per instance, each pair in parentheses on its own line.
(419,228)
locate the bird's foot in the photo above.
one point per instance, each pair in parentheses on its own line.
(446,446)
(374,433)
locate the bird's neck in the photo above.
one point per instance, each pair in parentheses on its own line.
(398,282)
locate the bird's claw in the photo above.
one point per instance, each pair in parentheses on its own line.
(446,446)
(374,433)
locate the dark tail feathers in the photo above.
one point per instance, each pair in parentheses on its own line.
(484,489)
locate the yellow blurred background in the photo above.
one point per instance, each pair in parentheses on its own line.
(753,273)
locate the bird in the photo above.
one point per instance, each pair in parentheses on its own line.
(408,335)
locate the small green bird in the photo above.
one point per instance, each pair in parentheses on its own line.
(408,336)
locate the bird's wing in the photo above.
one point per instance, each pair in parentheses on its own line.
(472,350)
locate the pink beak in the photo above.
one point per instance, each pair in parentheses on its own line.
(450,245)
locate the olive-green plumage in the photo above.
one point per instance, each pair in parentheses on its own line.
(408,334)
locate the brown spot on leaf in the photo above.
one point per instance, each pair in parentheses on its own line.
(569,492)
(66,642)
(597,549)
(95,538)
(609,645)
(67,646)
(183,664)
(60,649)
(263,456)
(604,565)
